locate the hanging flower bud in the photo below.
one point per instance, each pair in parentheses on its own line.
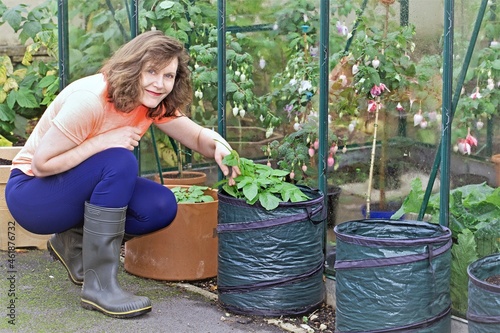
(268,163)
(330,160)
(491,84)
(417,118)
(375,63)
(235,111)
(242,113)
(292,175)
(351,127)
(316,144)
(311,151)
(304,168)
(355,69)
(262,63)
(333,149)
(296,126)
(423,124)
(344,150)
(269,132)
(479,125)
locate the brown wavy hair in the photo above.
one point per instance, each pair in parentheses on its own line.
(123,73)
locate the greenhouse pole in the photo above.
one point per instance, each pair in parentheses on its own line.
(62,18)
(323,103)
(221,72)
(446,112)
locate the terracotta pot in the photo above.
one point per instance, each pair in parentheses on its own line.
(496,160)
(188,178)
(11,233)
(185,250)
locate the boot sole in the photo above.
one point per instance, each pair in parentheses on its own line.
(128,314)
(53,253)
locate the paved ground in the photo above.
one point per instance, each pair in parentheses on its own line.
(46,301)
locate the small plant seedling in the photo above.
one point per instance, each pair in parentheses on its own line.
(191,194)
(259,182)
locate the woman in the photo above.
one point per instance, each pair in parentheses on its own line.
(77,177)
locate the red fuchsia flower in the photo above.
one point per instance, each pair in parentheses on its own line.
(476,94)
(470,139)
(330,160)
(372,106)
(463,147)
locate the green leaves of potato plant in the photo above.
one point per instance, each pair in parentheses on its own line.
(191,194)
(260,183)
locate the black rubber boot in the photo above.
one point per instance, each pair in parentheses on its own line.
(102,237)
(67,248)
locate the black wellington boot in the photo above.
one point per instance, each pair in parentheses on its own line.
(67,248)
(103,231)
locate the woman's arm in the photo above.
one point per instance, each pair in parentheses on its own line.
(203,140)
(56,153)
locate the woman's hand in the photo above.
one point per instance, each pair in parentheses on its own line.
(221,150)
(123,137)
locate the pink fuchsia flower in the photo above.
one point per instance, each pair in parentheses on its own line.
(476,94)
(399,107)
(342,28)
(311,151)
(333,149)
(372,106)
(330,160)
(316,144)
(292,175)
(304,168)
(378,90)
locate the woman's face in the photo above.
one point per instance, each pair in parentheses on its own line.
(157,84)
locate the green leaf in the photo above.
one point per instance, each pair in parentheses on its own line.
(26,99)
(250,191)
(268,200)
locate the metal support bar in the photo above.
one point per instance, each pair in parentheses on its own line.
(62,27)
(444,188)
(221,72)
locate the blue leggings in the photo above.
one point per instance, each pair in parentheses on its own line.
(108,179)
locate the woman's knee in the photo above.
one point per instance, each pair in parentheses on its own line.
(121,162)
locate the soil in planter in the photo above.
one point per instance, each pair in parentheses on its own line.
(495,279)
(325,314)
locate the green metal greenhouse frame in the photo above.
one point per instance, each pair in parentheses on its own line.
(449,98)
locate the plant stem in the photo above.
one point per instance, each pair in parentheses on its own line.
(372,159)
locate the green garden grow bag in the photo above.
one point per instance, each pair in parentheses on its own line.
(483,311)
(270,263)
(393,276)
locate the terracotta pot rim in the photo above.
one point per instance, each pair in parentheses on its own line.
(495,158)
